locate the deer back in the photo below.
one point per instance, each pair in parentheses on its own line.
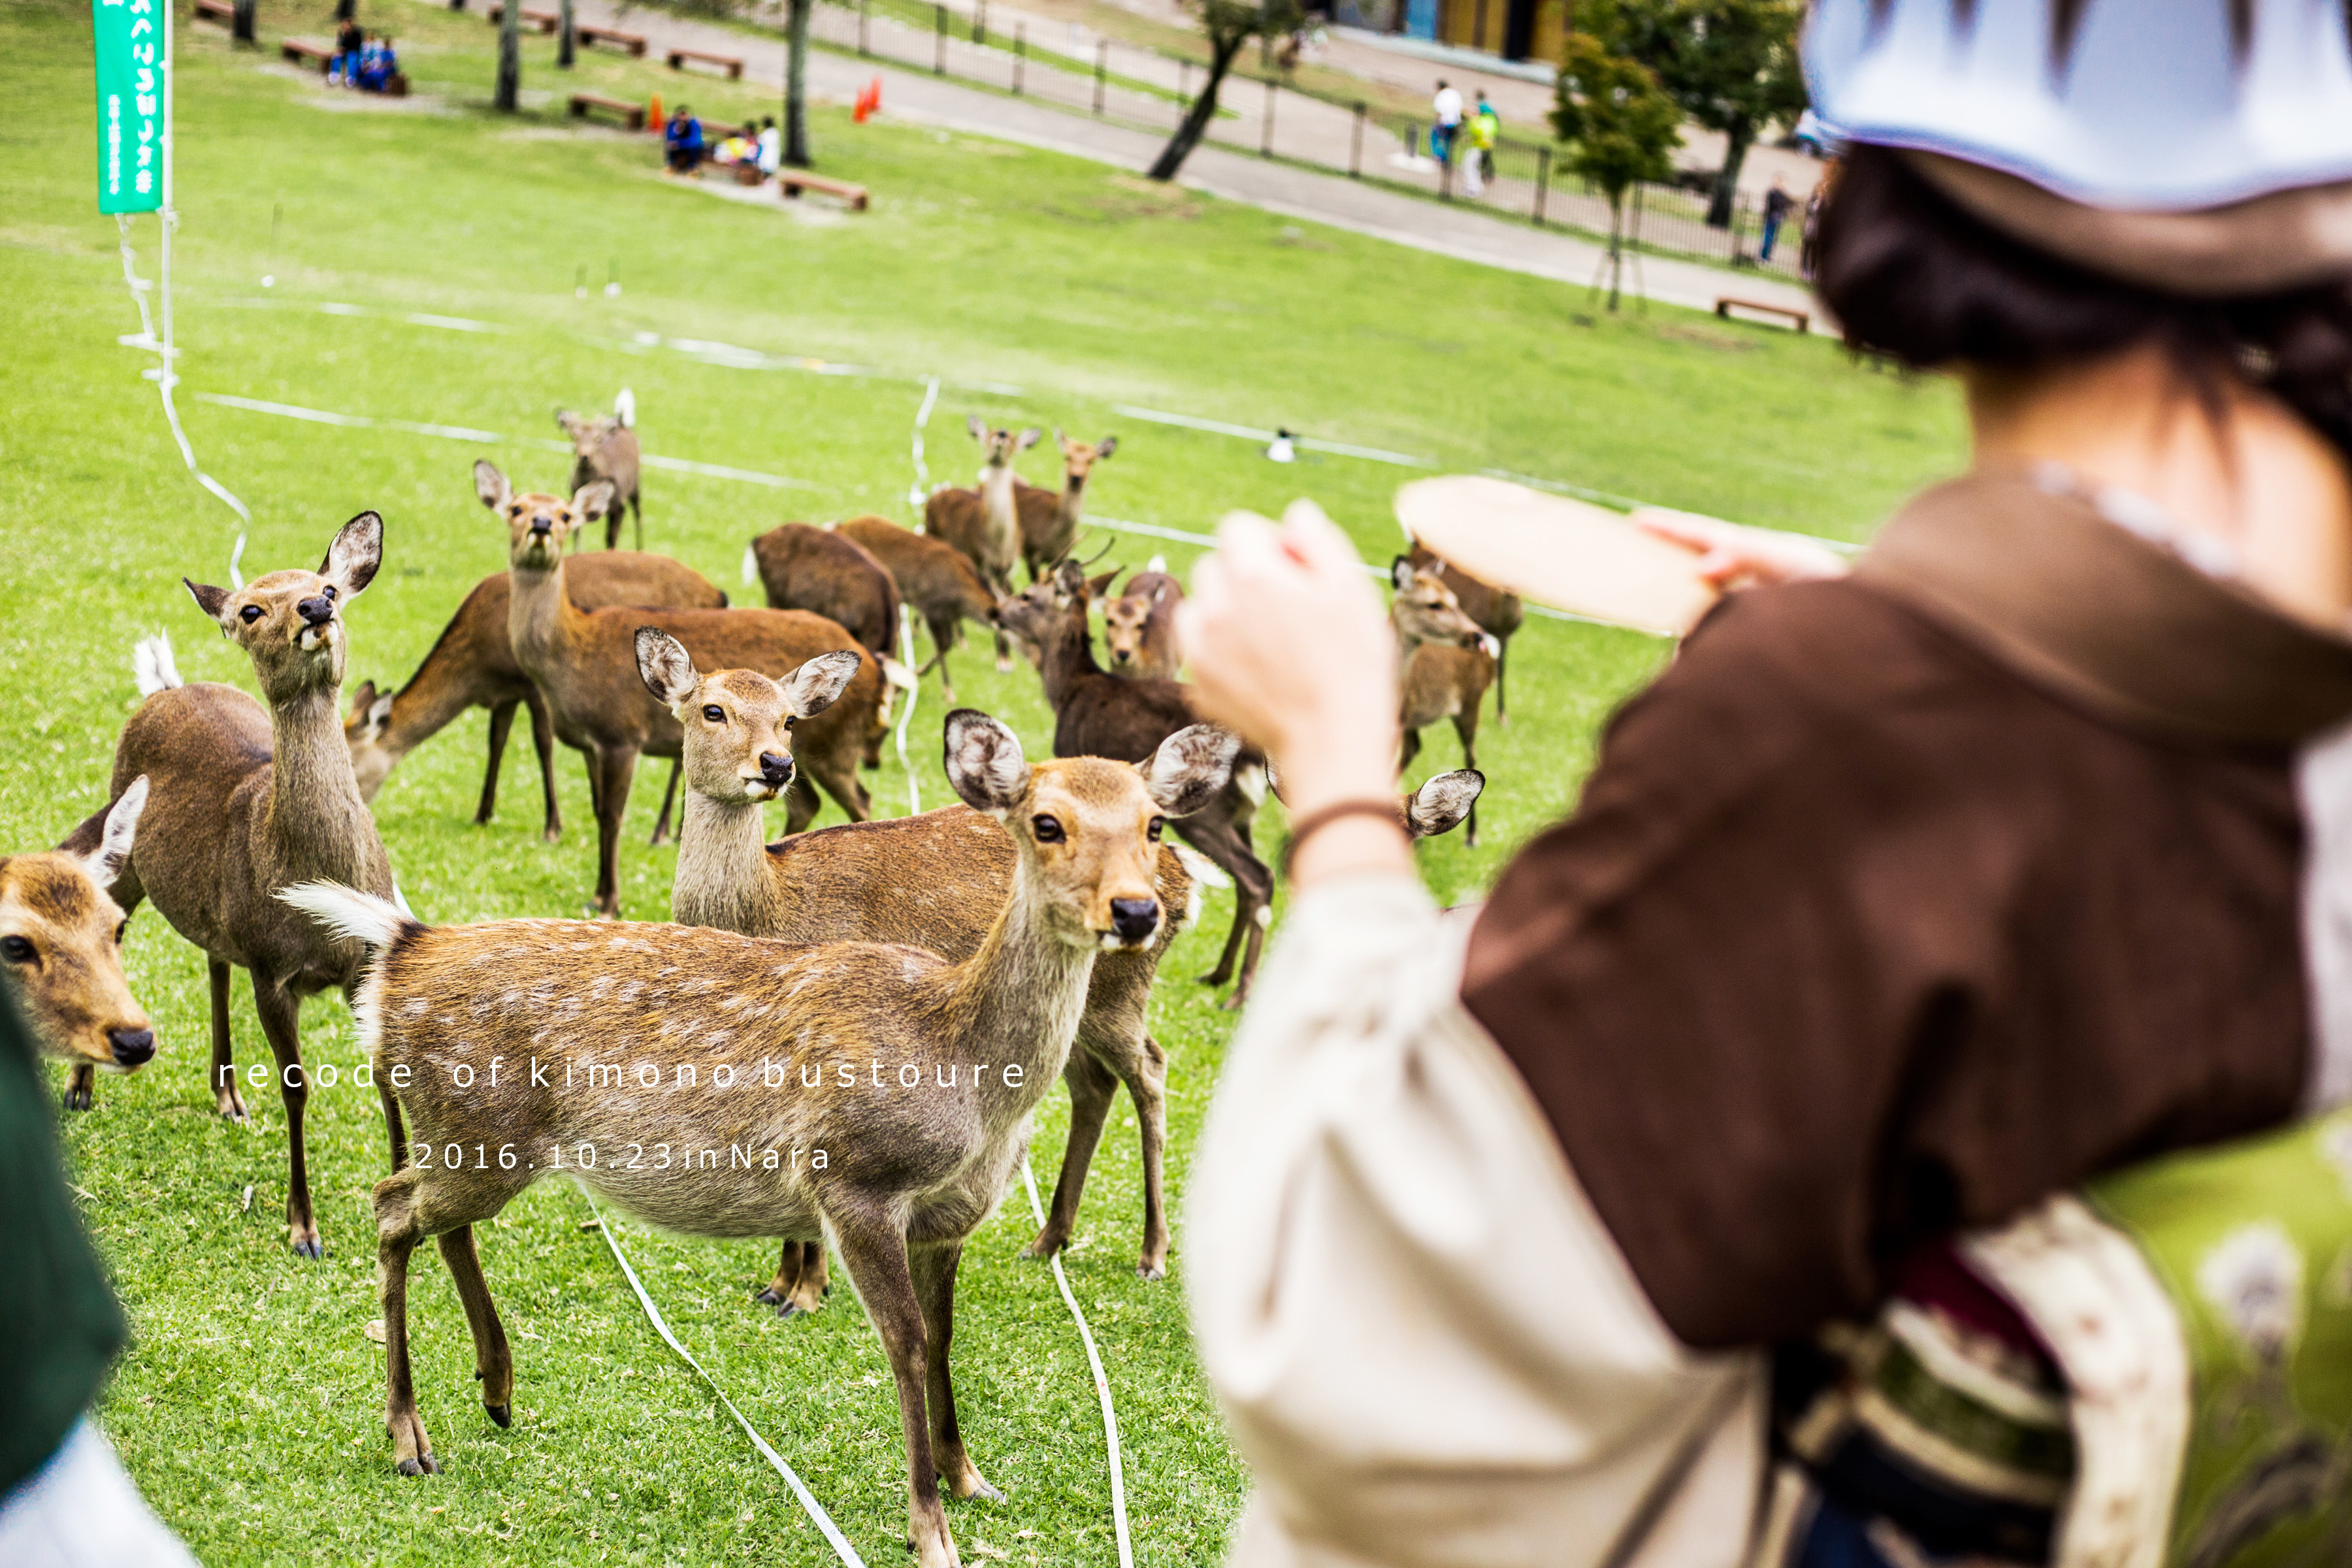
(808,568)
(934,576)
(1442,680)
(1497,611)
(616,458)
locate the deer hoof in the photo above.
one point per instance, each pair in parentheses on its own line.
(1147,1270)
(422,1465)
(971,1485)
(1235,1003)
(78,1097)
(232,1109)
(306,1244)
(552,834)
(501,1413)
(1045,1246)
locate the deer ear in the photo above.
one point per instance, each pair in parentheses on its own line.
(666,668)
(492,486)
(984,762)
(1069,578)
(1190,768)
(104,863)
(1106,446)
(1029,438)
(979,431)
(1274,783)
(1439,805)
(358,550)
(811,690)
(1098,586)
(1401,574)
(362,699)
(567,421)
(212,601)
(592,501)
(379,715)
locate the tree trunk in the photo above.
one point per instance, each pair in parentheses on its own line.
(510,93)
(1616,242)
(1205,109)
(567,37)
(240,26)
(1736,139)
(796,142)
(346,9)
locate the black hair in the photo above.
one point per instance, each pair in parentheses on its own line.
(1911,275)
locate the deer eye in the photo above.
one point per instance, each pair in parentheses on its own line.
(250,614)
(329,591)
(17,949)
(1152,832)
(123,926)
(715,713)
(1047,829)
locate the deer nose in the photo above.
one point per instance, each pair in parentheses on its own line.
(316,611)
(131,1046)
(1134,920)
(776,770)
(541,526)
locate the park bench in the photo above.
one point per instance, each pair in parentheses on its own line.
(217,11)
(795,181)
(302,51)
(632,114)
(545,21)
(632,42)
(731,64)
(1725,304)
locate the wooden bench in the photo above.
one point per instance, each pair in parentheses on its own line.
(217,11)
(731,64)
(544,21)
(302,51)
(1725,304)
(632,42)
(632,114)
(795,181)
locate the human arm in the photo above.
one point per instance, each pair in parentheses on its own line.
(1731,556)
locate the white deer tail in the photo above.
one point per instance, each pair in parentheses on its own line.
(1156,563)
(750,566)
(151,666)
(625,406)
(1200,867)
(898,674)
(373,922)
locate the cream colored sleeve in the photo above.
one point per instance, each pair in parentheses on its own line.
(1425,1342)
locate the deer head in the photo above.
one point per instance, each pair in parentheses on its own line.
(1000,447)
(539,525)
(587,432)
(291,623)
(363,730)
(1038,612)
(1078,458)
(1087,829)
(61,947)
(1425,610)
(739,743)
(1125,621)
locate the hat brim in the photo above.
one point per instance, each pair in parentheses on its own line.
(1567,553)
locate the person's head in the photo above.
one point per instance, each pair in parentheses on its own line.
(1441,84)
(769,123)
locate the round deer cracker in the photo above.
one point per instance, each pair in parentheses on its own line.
(1569,554)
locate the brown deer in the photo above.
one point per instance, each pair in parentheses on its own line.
(1437,807)
(985,522)
(1139,628)
(472,665)
(604,446)
(1049,519)
(243,801)
(61,952)
(1445,661)
(804,567)
(1096,714)
(939,580)
(1499,614)
(649,1068)
(931,881)
(585,665)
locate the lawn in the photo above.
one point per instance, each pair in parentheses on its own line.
(1040,290)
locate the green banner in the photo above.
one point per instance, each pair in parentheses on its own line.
(129,105)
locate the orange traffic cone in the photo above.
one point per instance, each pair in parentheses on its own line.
(869,103)
(654,115)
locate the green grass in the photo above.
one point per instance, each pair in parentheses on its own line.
(249,1409)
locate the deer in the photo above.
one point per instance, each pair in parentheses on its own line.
(1049,519)
(604,446)
(567,1027)
(804,567)
(1445,661)
(1098,714)
(585,665)
(472,665)
(244,801)
(1499,614)
(985,522)
(930,882)
(61,952)
(1139,628)
(939,580)
(1437,807)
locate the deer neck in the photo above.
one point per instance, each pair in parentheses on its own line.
(1069,658)
(1072,501)
(996,493)
(723,877)
(318,824)
(542,620)
(1020,997)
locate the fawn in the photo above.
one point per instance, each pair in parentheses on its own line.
(585,665)
(604,446)
(1049,519)
(243,801)
(61,951)
(930,882)
(1096,714)
(1499,613)
(895,1174)
(1445,661)
(1139,628)
(939,580)
(472,665)
(985,524)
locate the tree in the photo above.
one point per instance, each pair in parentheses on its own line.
(510,89)
(567,37)
(1731,65)
(1620,126)
(240,23)
(1228,25)
(796,142)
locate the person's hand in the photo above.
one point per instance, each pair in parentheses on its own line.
(1731,556)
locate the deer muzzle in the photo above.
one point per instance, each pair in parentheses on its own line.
(318,612)
(132,1048)
(1133,920)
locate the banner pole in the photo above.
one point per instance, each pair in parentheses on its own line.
(166,215)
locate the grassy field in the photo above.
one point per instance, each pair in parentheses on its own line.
(1042,290)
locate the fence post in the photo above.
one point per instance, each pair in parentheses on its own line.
(1102,63)
(980,25)
(939,42)
(1020,54)
(1355,145)
(1543,181)
(865,20)
(1265,134)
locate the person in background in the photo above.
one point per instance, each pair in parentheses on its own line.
(63,1499)
(1778,204)
(772,147)
(1446,122)
(376,69)
(683,141)
(1486,131)
(344,70)
(1814,223)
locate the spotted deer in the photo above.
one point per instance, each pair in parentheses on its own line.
(244,801)
(1049,519)
(1498,612)
(472,665)
(930,882)
(604,446)
(761,1065)
(61,952)
(1445,661)
(584,664)
(985,523)
(936,579)
(1139,628)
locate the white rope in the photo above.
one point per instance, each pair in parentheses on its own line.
(165,378)
(923,416)
(1102,1384)
(907,656)
(816,1510)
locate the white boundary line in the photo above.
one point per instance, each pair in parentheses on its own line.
(1102,1384)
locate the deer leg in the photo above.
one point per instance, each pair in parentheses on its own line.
(542,740)
(934,1268)
(1252,874)
(281,1023)
(613,525)
(1146,1087)
(81,1088)
(501,722)
(493,1361)
(637,517)
(875,1253)
(801,802)
(669,799)
(839,774)
(396,1235)
(1465,725)
(944,635)
(800,1283)
(614,770)
(1411,750)
(1502,713)
(393,1127)
(1091,1086)
(225,1099)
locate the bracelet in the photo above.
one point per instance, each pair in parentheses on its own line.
(1315,821)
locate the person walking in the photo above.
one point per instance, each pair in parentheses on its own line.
(1445,117)
(1778,205)
(1486,132)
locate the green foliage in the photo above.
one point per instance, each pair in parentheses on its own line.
(1729,65)
(1228,25)
(1620,127)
